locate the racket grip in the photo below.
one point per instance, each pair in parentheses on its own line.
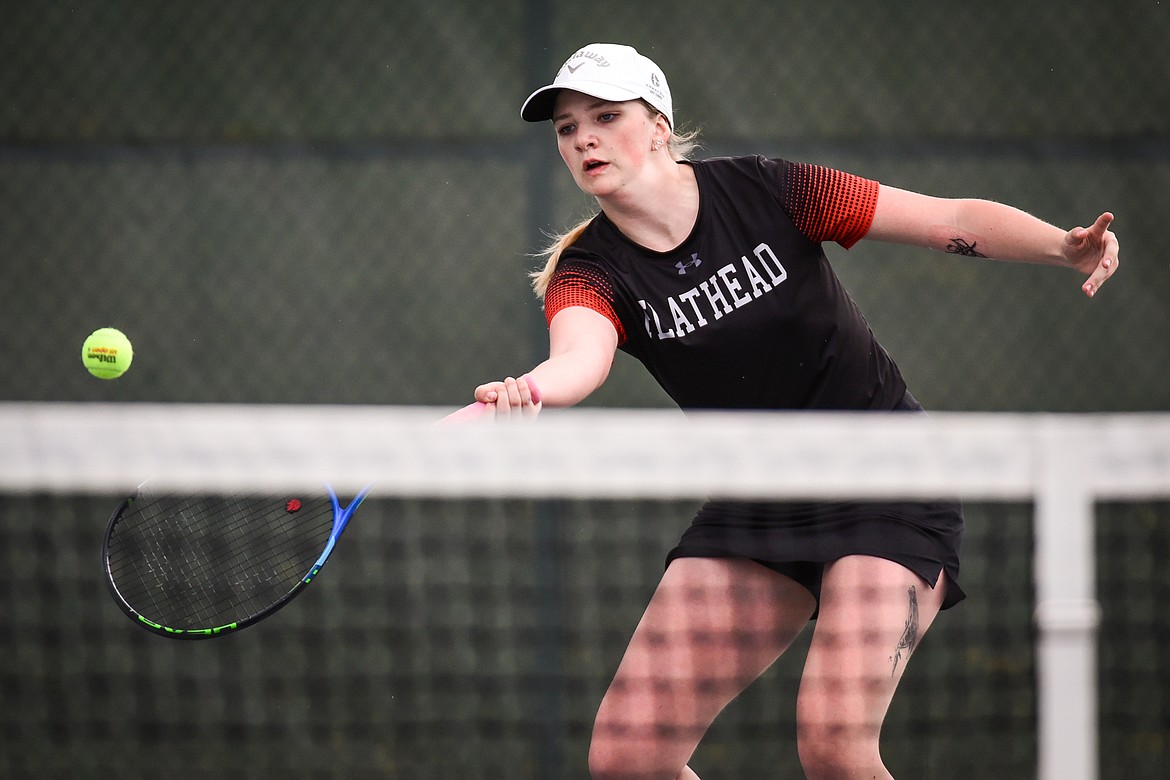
(466,414)
(475,409)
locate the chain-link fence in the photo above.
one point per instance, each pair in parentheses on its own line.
(316,202)
(334,202)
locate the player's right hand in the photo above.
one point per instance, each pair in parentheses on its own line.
(510,398)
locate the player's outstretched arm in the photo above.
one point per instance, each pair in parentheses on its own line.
(983,228)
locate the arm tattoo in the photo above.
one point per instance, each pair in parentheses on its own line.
(910,634)
(960,247)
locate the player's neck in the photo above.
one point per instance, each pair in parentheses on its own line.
(660,215)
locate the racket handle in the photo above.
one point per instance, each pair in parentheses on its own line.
(476,409)
(466,414)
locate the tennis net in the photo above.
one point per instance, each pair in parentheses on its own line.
(474,612)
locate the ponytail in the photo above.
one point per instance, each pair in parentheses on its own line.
(552,256)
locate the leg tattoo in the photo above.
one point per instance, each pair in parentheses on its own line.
(910,634)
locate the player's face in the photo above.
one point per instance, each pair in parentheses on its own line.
(604,144)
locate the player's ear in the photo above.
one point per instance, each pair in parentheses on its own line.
(663,125)
(662,133)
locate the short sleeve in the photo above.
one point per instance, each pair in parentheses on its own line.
(580,283)
(826,204)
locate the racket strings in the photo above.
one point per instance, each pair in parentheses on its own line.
(205,561)
(225,570)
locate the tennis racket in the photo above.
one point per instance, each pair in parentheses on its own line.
(194,567)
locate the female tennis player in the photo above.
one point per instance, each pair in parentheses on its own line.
(712,274)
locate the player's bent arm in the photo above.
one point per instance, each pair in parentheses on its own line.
(582,344)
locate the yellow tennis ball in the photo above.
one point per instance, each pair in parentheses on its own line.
(107,353)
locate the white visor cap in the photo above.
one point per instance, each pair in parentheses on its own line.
(608,71)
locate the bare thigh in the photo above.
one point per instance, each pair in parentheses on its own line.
(873,614)
(712,626)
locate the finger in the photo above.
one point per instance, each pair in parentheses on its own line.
(486,393)
(1103,222)
(1104,270)
(514,394)
(530,395)
(491,395)
(1095,280)
(504,400)
(1082,236)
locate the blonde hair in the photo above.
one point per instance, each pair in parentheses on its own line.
(680,147)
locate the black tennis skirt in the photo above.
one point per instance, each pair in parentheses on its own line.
(797,539)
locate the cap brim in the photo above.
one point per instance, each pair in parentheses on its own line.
(540,104)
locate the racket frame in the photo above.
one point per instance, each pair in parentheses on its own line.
(341,517)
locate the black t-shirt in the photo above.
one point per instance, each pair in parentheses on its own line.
(746,313)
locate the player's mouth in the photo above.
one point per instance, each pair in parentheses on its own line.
(594,166)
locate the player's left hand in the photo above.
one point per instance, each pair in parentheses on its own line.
(1093,251)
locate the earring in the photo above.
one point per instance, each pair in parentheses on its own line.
(657,145)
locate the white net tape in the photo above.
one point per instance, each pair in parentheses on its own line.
(580,453)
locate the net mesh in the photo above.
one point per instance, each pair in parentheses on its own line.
(472,636)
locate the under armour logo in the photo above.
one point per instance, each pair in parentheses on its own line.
(682,267)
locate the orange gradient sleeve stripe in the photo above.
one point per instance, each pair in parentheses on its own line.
(829,205)
(579,285)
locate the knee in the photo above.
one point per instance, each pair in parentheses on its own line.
(610,760)
(606,762)
(606,757)
(614,758)
(829,751)
(630,753)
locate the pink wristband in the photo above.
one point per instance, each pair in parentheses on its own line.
(532,388)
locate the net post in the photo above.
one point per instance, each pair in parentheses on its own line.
(1067,612)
